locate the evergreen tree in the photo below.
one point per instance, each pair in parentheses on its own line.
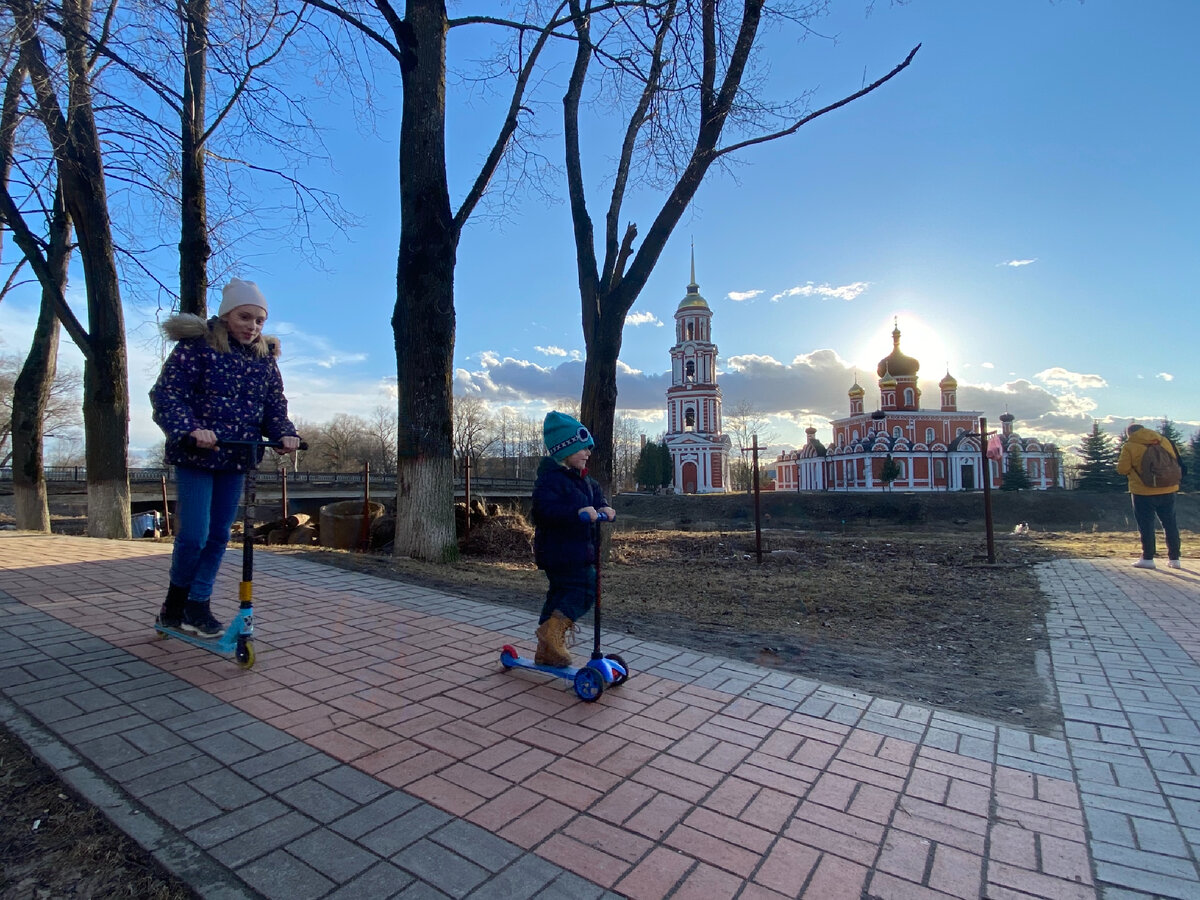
(890,471)
(648,472)
(1098,469)
(1015,478)
(666,465)
(1191,478)
(1170,431)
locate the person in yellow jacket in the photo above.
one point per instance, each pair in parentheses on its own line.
(1148,501)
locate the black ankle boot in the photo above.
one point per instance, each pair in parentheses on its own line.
(171,613)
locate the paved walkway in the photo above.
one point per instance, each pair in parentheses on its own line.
(377,749)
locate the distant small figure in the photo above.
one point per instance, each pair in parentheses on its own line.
(1021,528)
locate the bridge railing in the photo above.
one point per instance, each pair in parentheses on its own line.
(155,475)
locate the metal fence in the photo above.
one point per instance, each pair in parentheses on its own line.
(78,475)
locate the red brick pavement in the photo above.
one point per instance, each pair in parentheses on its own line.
(659,789)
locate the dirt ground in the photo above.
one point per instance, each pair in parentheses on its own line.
(913,615)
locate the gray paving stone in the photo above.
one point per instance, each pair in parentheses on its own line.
(263,839)
(332,855)
(1159,837)
(383,881)
(399,833)
(225,788)
(375,814)
(110,751)
(1151,883)
(316,800)
(280,876)
(524,878)
(569,886)
(476,844)
(229,825)
(445,870)
(350,782)
(161,778)
(181,806)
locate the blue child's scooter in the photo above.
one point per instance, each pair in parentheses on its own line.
(237,641)
(600,671)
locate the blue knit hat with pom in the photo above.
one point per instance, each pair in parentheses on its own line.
(565,435)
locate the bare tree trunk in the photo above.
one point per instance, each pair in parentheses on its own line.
(423,320)
(105,376)
(31,392)
(194,247)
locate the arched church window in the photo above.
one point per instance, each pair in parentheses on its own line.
(691,331)
(689,419)
(909,397)
(929,436)
(897,431)
(689,370)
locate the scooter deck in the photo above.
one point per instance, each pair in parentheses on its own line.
(236,644)
(589,680)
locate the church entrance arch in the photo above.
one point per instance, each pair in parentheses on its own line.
(689,478)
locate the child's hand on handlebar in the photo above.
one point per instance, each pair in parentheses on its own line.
(608,513)
(205,439)
(289,443)
(589,514)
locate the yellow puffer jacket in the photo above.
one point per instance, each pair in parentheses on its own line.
(1129,463)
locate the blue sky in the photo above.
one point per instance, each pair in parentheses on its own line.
(1022,200)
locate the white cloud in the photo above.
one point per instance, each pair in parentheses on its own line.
(1017,263)
(1061,378)
(842,292)
(987,365)
(643,318)
(551,351)
(1165,376)
(739,296)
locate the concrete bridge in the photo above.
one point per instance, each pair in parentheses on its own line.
(306,491)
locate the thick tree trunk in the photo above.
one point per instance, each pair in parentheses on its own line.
(31,392)
(194,247)
(598,403)
(423,321)
(105,375)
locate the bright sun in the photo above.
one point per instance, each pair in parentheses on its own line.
(917,339)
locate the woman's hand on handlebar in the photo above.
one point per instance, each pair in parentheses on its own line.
(289,442)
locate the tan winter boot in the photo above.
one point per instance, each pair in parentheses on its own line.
(552,643)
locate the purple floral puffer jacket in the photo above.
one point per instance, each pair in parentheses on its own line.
(211,381)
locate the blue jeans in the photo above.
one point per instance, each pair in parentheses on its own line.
(1145,508)
(205,509)
(572,592)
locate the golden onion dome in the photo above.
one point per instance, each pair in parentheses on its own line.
(897,363)
(948,383)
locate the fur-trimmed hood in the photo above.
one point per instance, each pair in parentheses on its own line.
(185,326)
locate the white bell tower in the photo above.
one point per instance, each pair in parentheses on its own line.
(699,451)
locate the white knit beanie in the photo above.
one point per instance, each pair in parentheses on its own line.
(240,293)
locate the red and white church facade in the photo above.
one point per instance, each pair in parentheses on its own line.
(699,451)
(934,449)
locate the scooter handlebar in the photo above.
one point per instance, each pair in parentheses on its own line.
(190,443)
(584,517)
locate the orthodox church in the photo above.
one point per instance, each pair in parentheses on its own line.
(929,449)
(699,451)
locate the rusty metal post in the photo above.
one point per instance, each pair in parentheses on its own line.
(166,508)
(364,532)
(757,505)
(467,493)
(283,488)
(987,490)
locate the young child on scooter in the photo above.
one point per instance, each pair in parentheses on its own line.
(566,504)
(220,382)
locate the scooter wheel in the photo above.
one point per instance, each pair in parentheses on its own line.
(620,678)
(508,656)
(589,684)
(244,654)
